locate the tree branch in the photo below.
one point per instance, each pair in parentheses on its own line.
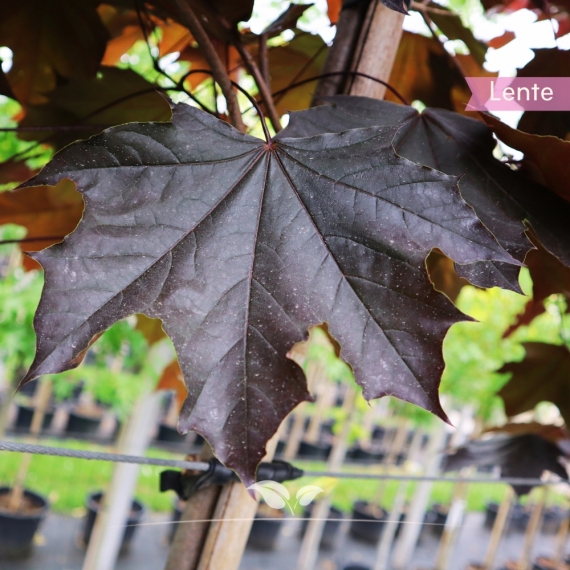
(189,20)
(264,90)
(264,58)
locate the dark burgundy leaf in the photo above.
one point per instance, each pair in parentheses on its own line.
(457,145)
(546,63)
(114,97)
(525,456)
(549,277)
(239,246)
(542,376)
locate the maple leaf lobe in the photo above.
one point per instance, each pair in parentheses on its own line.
(239,247)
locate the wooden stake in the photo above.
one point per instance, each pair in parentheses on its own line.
(341,52)
(325,399)
(106,538)
(376,50)
(191,532)
(561,538)
(296,433)
(498,528)
(227,537)
(312,538)
(395,448)
(391,526)
(42,402)
(452,524)
(407,541)
(532,529)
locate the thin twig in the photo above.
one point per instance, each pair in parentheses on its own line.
(190,21)
(155,62)
(335,73)
(420,7)
(264,58)
(263,87)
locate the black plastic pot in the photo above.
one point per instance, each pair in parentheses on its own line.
(519,517)
(366,527)
(553,517)
(169,434)
(29,388)
(314,450)
(365,455)
(24,419)
(264,531)
(80,425)
(517,520)
(435,519)
(135,517)
(378,432)
(17,529)
(491,510)
(332,525)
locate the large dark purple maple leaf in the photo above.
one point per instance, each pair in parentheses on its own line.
(239,245)
(504,200)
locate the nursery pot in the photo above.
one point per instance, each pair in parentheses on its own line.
(359,454)
(314,450)
(135,517)
(368,524)
(331,526)
(17,529)
(435,519)
(80,424)
(169,434)
(265,530)
(378,432)
(553,517)
(24,419)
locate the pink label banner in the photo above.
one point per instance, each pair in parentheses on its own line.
(519,93)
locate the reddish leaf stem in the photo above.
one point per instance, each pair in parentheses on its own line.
(264,91)
(190,21)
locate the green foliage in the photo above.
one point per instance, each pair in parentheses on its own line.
(473,351)
(119,366)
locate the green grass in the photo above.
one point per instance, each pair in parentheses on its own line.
(346,491)
(66,482)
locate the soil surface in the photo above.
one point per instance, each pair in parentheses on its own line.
(28,505)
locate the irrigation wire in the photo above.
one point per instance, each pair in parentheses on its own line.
(201,466)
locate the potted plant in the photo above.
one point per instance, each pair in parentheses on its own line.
(368,521)
(136,515)
(330,529)
(265,528)
(18,527)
